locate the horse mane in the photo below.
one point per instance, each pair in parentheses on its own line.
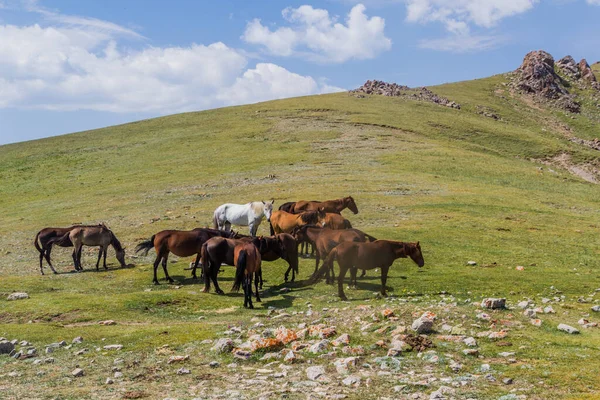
(309,217)
(115,242)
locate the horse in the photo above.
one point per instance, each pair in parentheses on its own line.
(325,239)
(44,247)
(247,263)
(336,221)
(250,214)
(330,206)
(284,246)
(180,243)
(214,252)
(287,207)
(283,222)
(91,235)
(378,254)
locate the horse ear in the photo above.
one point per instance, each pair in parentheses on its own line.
(263,202)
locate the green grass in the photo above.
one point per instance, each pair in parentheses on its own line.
(466,186)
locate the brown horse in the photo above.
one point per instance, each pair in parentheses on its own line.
(283,222)
(378,254)
(41,243)
(330,206)
(95,235)
(325,239)
(247,264)
(336,221)
(216,251)
(284,246)
(180,243)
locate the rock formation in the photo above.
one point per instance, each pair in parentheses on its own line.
(393,89)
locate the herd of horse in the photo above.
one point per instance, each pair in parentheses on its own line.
(316,223)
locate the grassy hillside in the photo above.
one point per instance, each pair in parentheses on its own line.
(467,186)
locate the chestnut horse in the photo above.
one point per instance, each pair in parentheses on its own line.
(94,235)
(325,239)
(216,251)
(180,243)
(283,222)
(247,264)
(378,254)
(330,206)
(336,221)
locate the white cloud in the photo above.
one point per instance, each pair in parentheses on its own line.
(593,2)
(318,36)
(83,67)
(458,16)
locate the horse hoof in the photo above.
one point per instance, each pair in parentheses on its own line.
(251,307)
(220,292)
(156,283)
(343,298)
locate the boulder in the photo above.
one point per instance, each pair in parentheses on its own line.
(17,296)
(492,303)
(424,324)
(567,328)
(224,345)
(316,372)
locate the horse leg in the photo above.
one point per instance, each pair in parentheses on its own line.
(363,273)
(105,252)
(249,289)
(257,276)
(384,274)
(48,259)
(99,257)
(156,262)
(227,226)
(195,266)
(213,275)
(164,265)
(343,269)
(353,272)
(317,260)
(42,260)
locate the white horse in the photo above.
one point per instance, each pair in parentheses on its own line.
(250,214)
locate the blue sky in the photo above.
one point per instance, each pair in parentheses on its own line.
(69,65)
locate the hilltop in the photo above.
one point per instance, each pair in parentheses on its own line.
(507,180)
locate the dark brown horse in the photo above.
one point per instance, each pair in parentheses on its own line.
(216,251)
(283,222)
(44,247)
(95,235)
(284,246)
(247,265)
(180,243)
(330,206)
(378,254)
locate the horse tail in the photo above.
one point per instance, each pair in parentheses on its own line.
(215,222)
(327,264)
(64,240)
(240,268)
(371,238)
(145,246)
(347,224)
(205,262)
(36,242)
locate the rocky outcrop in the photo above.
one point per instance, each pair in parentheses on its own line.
(569,67)
(393,89)
(586,71)
(537,76)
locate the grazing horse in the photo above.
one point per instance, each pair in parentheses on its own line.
(247,264)
(283,222)
(250,214)
(284,246)
(378,254)
(330,206)
(95,235)
(180,243)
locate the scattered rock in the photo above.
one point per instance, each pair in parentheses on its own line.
(174,359)
(224,345)
(320,346)
(17,296)
(77,372)
(492,303)
(113,347)
(536,322)
(183,371)
(214,364)
(107,322)
(567,328)
(315,373)
(77,340)
(424,324)
(472,263)
(109,381)
(6,347)
(351,381)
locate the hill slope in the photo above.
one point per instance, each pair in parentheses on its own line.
(503,192)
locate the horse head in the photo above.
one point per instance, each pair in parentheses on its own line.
(119,250)
(321,215)
(349,202)
(268,209)
(413,250)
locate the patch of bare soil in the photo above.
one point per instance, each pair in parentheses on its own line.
(587,171)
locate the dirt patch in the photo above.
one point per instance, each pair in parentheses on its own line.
(587,172)
(419,343)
